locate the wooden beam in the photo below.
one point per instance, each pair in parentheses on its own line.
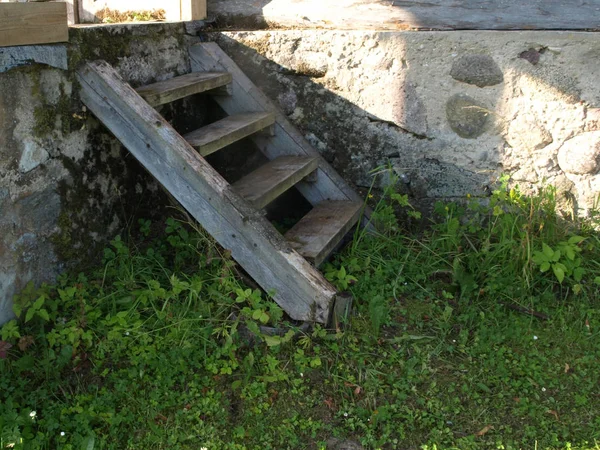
(33,23)
(193,10)
(287,140)
(298,287)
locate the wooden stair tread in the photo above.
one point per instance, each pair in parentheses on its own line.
(183,86)
(268,182)
(318,233)
(224,132)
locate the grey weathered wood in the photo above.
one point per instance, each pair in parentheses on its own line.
(317,233)
(413,14)
(268,182)
(183,86)
(224,132)
(299,288)
(287,140)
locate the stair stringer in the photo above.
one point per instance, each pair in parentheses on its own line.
(255,244)
(287,140)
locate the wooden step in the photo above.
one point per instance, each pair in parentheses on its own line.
(183,86)
(318,233)
(226,131)
(268,182)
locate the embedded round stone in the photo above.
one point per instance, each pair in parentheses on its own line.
(580,155)
(480,70)
(467,117)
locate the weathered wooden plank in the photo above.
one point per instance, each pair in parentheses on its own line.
(318,233)
(193,10)
(183,86)
(300,289)
(413,14)
(268,182)
(224,132)
(33,23)
(287,140)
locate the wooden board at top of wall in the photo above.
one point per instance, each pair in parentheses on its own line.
(33,23)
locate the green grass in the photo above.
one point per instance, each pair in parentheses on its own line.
(478,331)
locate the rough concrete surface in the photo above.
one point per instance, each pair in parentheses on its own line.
(67,185)
(413,101)
(408,15)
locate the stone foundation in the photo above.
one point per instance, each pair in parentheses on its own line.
(449,111)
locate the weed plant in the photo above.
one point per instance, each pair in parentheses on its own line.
(479,331)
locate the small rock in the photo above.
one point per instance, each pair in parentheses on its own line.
(532,55)
(525,174)
(466,116)
(288,101)
(480,70)
(592,119)
(33,155)
(581,155)
(526,134)
(338,444)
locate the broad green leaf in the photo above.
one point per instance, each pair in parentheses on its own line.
(558,272)
(576,239)
(556,256)
(44,314)
(545,266)
(547,251)
(29,315)
(272,341)
(38,303)
(578,273)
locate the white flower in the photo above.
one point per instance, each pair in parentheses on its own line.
(62,433)
(535,338)
(301,374)
(543,389)
(127,333)
(345,414)
(32,414)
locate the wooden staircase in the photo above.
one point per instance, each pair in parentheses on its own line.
(232,213)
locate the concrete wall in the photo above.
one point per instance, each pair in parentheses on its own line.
(450,111)
(66,185)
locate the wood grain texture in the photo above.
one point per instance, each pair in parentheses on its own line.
(193,10)
(287,140)
(224,132)
(33,23)
(268,182)
(318,233)
(183,86)
(412,14)
(299,288)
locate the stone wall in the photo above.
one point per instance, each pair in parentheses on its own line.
(66,184)
(449,111)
